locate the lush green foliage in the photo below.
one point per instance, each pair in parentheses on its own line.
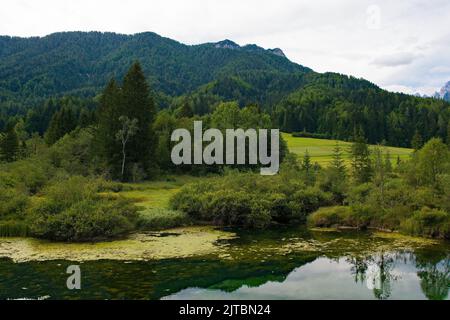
(161,218)
(298,99)
(71,210)
(250,200)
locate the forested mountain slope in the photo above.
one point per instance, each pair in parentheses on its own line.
(298,99)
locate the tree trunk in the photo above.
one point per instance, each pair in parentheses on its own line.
(123,160)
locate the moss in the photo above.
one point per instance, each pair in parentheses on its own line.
(180,243)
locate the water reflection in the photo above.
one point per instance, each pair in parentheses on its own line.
(286,264)
(384,275)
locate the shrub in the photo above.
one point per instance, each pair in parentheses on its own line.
(328,216)
(12,228)
(249,200)
(310,199)
(158,218)
(30,175)
(83,221)
(71,210)
(428,222)
(13,202)
(357,217)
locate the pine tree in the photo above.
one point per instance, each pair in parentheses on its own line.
(108,115)
(306,163)
(133,101)
(137,102)
(63,122)
(417,141)
(185,110)
(308,169)
(338,162)
(85,118)
(10,146)
(448,134)
(361,164)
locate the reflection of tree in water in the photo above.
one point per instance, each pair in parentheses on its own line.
(435,279)
(358,268)
(376,270)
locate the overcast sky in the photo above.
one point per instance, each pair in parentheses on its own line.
(399,45)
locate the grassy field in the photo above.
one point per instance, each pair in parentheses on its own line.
(156,194)
(153,199)
(321,150)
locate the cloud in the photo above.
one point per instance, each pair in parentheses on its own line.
(394,60)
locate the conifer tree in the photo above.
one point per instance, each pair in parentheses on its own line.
(63,122)
(108,115)
(448,134)
(132,100)
(185,110)
(9,145)
(361,164)
(306,163)
(417,141)
(137,102)
(338,162)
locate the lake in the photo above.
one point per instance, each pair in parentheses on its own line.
(208,263)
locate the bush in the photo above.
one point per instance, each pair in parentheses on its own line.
(357,217)
(328,216)
(13,229)
(73,211)
(30,175)
(158,218)
(13,203)
(429,223)
(86,220)
(249,200)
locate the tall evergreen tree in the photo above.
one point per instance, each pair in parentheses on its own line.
(361,164)
(137,102)
(108,114)
(134,101)
(338,162)
(62,122)
(185,110)
(306,163)
(417,141)
(9,145)
(448,134)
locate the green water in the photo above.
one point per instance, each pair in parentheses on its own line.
(291,263)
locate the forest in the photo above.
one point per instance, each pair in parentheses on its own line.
(39,76)
(67,164)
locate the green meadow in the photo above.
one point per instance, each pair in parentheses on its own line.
(321,150)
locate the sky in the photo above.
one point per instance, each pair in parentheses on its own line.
(399,45)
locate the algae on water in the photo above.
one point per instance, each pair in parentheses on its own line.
(174,243)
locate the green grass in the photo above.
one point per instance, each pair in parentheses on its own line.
(156,194)
(153,199)
(321,150)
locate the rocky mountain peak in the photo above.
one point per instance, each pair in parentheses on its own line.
(226,44)
(444,93)
(278,52)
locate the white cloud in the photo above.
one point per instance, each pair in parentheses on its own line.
(394,60)
(392,43)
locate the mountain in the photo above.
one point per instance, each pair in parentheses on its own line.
(444,93)
(81,63)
